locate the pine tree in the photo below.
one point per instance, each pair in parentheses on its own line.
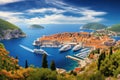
(111,52)
(26,64)
(98,50)
(101,57)
(44,61)
(52,66)
(16,57)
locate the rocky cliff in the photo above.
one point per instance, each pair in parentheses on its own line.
(9,34)
(9,30)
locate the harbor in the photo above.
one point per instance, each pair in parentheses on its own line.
(85,39)
(74,58)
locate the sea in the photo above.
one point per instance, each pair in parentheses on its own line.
(14,49)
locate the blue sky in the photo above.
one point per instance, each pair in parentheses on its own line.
(60,11)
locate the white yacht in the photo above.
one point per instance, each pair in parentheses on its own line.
(84,49)
(77,47)
(39,51)
(34,43)
(65,48)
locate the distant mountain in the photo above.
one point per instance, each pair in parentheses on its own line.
(9,30)
(94,26)
(115,28)
(36,26)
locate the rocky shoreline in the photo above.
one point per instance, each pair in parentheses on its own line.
(9,34)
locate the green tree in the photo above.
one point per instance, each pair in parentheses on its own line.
(101,57)
(73,73)
(98,50)
(111,65)
(42,74)
(26,64)
(16,57)
(1,45)
(52,66)
(44,61)
(111,51)
(97,76)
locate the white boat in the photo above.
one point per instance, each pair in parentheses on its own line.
(65,48)
(34,43)
(77,47)
(84,49)
(39,51)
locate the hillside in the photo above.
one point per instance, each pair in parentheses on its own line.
(9,30)
(36,26)
(7,25)
(94,26)
(96,70)
(115,28)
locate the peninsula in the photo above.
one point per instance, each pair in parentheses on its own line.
(73,38)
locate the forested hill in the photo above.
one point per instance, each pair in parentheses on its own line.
(115,28)
(94,26)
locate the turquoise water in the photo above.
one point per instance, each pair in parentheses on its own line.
(32,34)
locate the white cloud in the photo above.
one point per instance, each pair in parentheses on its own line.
(62,19)
(16,17)
(79,10)
(85,15)
(2,2)
(87,12)
(13,17)
(44,10)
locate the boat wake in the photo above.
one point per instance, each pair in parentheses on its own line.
(26,48)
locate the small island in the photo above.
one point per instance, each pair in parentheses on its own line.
(36,26)
(9,30)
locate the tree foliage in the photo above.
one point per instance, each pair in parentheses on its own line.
(1,45)
(100,59)
(26,64)
(111,65)
(42,74)
(94,26)
(52,66)
(115,28)
(111,51)
(44,61)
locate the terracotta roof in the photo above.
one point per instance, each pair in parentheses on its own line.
(77,69)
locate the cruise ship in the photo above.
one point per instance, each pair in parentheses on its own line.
(65,48)
(77,47)
(39,51)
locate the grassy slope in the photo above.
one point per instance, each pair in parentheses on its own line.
(7,25)
(4,25)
